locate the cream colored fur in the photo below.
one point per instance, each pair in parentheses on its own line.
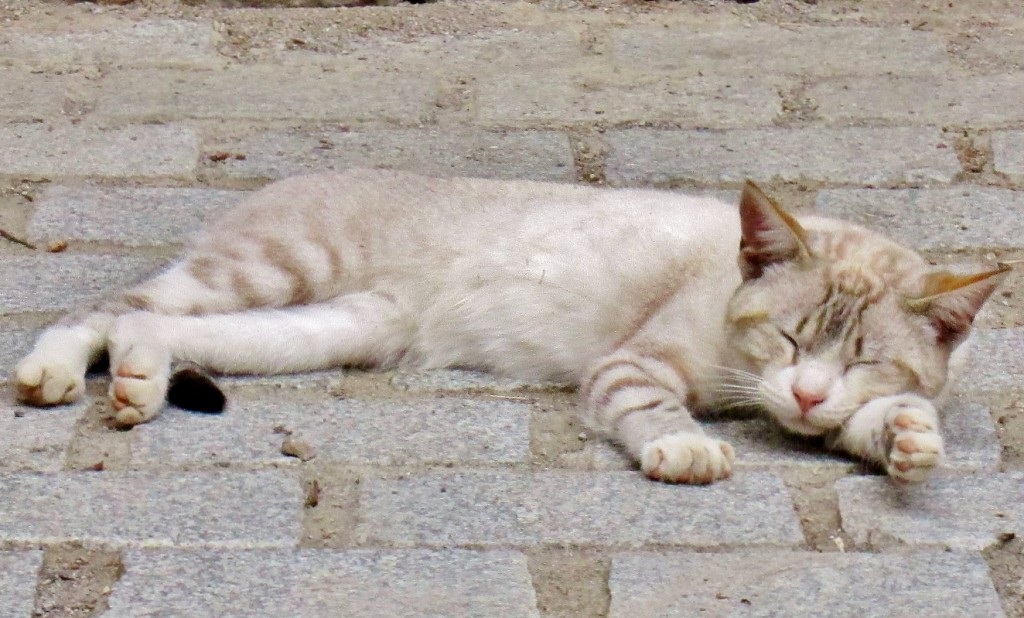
(639,296)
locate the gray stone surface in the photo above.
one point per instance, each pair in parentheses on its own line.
(31,96)
(572,96)
(315,583)
(35,438)
(60,281)
(947,219)
(983,100)
(465,381)
(555,508)
(212,509)
(959,512)
(795,585)
(874,156)
(535,155)
(133,217)
(18,572)
(353,431)
(15,342)
(50,151)
(1008,148)
(759,48)
(970,439)
(158,42)
(242,93)
(994,365)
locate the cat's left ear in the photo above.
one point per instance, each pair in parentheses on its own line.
(770,234)
(953,301)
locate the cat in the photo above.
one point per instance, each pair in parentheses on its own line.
(655,303)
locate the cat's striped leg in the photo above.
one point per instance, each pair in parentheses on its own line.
(356,329)
(900,433)
(637,401)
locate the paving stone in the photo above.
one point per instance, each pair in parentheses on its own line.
(35,438)
(240,92)
(15,342)
(225,509)
(1001,47)
(465,381)
(959,512)
(535,155)
(994,363)
(970,435)
(151,151)
(18,573)
(802,584)
(133,217)
(492,508)
(64,280)
(873,156)
(572,96)
(160,42)
(314,583)
(31,96)
(946,219)
(983,100)
(353,431)
(800,50)
(1008,148)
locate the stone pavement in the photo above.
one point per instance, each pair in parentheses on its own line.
(122,129)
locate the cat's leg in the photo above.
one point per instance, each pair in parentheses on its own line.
(638,401)
(900,433)
(356,329)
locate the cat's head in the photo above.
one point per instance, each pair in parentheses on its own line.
(830,316)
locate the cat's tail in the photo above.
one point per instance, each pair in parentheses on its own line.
(192,388)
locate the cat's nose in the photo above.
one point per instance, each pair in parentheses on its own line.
(807,399)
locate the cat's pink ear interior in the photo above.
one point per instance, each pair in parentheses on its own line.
(770,234)
(952,301)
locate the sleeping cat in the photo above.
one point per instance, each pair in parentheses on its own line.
(655,303)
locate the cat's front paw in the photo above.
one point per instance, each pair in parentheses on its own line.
(916,446)
(46,380)
(687,458)
(138,386)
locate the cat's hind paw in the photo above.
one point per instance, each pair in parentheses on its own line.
(46,380)
(916,444)
(138,386)
(687,458)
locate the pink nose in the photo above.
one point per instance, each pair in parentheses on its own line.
(806,399)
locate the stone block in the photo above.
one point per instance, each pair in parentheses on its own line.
(127,216)
(983,100)
(757,48)
(242,92)
(571,96)
(1008,148)
(155,42)
(225,509)
(314,583)
(35,438)
(872,156)
(31,96)
(60,281)
(958,512)
(18,573)
(59,151)
(531,155)
(619,509)
(946,219)
(802,585)
(465,381)
(993,364)
(353,431)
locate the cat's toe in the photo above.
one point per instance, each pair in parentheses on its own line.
(46,382)
(138,389)
(917,447)
(687,458)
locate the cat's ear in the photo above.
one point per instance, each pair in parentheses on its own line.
(952,301)
(770,234)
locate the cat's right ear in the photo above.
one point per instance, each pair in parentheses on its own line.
(770,234)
